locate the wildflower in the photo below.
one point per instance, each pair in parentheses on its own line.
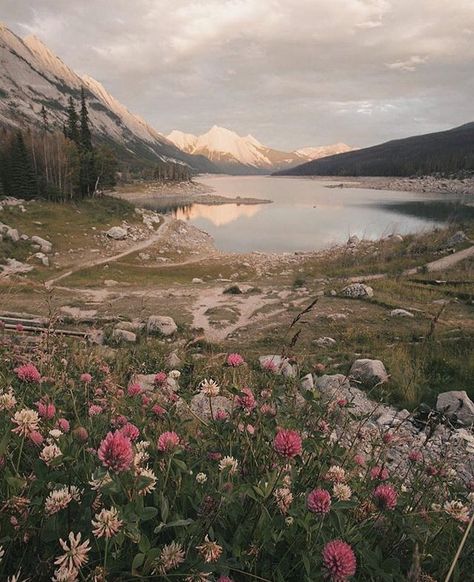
(63,424)
(339,560)
(64,574)
(201,478)
(335,474)
(210,388)
(116,452)
(147,480)
(386,496)
(28,373)
(175,374)
(57,500)
(342,492)
(457,510)
(235,360)
(171,556)
(283,498)
(319,501)
(268,409)
(95,410)
(359,460)
(160,378)
(247,399)
(17,577)
(26,420)
(230,464)
(221,415)
(168,441)
(36,437)
(46,410)
(97,483)
(7,399)
(379,473)
(158,410)
(55,433)
(224,579)
(130,430)
(75,554)
(106,523)
(287,443)
(81,434)
(289,521)
(134,389)
(209,551)
(415,456)
(50,453)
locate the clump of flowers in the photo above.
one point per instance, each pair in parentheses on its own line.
(116,452)
(386,496)
(339,560)
(287,443)
(246,400)
(106,523)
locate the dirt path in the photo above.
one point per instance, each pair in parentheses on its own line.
(102,261)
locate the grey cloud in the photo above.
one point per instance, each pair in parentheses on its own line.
(305,72)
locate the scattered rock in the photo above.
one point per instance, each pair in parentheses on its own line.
(278,365)
(357,291)
(307,383)
(232,290)
(197,280)
(12,234)
(161,324)
(401,313)
(42,258)
(325,342)
(45,245)
(173,361)
(393,418)
(456,404)
(122,335)
(201,407)
(458,238)
(110,283)
(14,267)
(368,372)
(117,233)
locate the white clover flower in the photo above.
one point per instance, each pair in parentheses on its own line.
(230,464)
(55,433)
(175,374)
(150,476)
(50,453)
(201,478)
(335,474)
(289,520)
(7,399)
(341,491)
(75,554)
(457,510)
(97,483)
(57,500)
(210,388)
(27,421)
(106,523)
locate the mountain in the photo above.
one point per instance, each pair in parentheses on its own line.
(32,76)
(443,152)
(237,154)
(314,153)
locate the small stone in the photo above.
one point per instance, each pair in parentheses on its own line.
(368,372)
(325,342)
(197,280)
(357,291)
(456,404)
(122,335)
(307,382)
(45,245)
(161,324)
(401,313)
(117,233)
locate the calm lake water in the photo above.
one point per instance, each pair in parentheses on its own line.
(306,215)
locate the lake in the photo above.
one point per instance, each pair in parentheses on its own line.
(306,215)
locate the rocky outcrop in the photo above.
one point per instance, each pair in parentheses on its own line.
(368,373)
(117,233)
(201,406)
(278,365)
(44,245)
(123,336)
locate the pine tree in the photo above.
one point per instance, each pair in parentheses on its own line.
(21,180)
(88,174)
(86,139)
(71,129)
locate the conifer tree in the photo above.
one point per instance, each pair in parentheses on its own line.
(72,129)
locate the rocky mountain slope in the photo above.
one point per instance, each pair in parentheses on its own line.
(244,154)
(32,76)
(445,152)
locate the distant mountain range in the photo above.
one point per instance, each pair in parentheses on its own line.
(236,154)
(32,76)
(444,152)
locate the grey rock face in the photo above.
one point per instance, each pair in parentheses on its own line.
(161,324)
(307,382)
(456,404)
(368,373)
(325,342)
(201,406)
(357,291)
(12,234)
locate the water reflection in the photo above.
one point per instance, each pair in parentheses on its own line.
(219,215)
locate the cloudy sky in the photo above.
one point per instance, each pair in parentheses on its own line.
(291,72)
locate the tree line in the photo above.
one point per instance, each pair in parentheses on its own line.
(46,162)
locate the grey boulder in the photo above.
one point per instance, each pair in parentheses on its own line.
(456,404)
(161,325)
(368,372)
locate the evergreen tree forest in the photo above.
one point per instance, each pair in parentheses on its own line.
(44,162)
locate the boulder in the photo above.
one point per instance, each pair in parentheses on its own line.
(45,245)
(357,291)
(134,325)
(173,361)
(14,267)
(278,365)
(325,342)
(197,280)
(201,407)
(401,313)
(307,383)
(122,336)
(456,404)
(368,372)
(161,324)
(117,233)
(12,234)
(42,258)
(147,382)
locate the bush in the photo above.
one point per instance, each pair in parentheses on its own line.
(101,480)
